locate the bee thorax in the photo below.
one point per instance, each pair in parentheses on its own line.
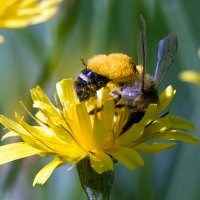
(148,94)
(137,96)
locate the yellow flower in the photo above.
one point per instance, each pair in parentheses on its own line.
(190,76)
(68,133)
(22,13)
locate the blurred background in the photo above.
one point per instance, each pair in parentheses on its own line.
(46,53)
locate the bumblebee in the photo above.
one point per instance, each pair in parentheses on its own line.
(135,88)
(139,94)
(118,68)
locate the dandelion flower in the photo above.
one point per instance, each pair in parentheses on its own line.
(68,133)
(22,13)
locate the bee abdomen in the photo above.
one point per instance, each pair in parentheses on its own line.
(88,83)
(134,117)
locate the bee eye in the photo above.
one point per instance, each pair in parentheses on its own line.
(89,73)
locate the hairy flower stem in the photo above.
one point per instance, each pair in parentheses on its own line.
(96,186)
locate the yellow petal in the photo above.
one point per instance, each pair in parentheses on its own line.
(99,133)
(39,115)
(17,14)
(31,115)
(120,121)
(108,113)
(45,139)
(178,122)
(136,131)
(43,175)
(41,101)
(165,98)
(153,148)
(101,162)
(9,134)
(169,122)
(51,113)
(37,94)
(85,134)
(15,151)
(150,114)
(190,76)
(177,135)
(18,129)
(62,134)
(66,91)
(12,125)
(127,156)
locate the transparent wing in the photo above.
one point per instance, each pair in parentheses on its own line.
(142,44)
(167,48)
(139,49)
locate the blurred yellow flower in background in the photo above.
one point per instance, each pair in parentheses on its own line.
(69,133)
(190,76)
(22,13)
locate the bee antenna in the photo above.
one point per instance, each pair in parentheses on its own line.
(83,62)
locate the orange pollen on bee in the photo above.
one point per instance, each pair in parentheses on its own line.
(139,68)
(117,66)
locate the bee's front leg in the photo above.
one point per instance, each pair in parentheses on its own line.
(116,94)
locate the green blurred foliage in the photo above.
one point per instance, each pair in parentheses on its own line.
(44,54)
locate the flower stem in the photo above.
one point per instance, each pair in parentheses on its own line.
(96,186)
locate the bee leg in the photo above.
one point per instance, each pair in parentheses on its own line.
(95,110)
(116,95)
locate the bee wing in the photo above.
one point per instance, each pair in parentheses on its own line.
(142,44)
(139,49)
(167,48)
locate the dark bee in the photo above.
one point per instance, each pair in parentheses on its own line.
(136,89)
(88,83)
(100,70)
(138,95)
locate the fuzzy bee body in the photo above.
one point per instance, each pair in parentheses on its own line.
(136,89)
(88,83)
(136,96)
(116,67)
(136,99)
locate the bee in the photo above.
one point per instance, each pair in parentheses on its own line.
(135,89)
(101,69)
(139,94)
